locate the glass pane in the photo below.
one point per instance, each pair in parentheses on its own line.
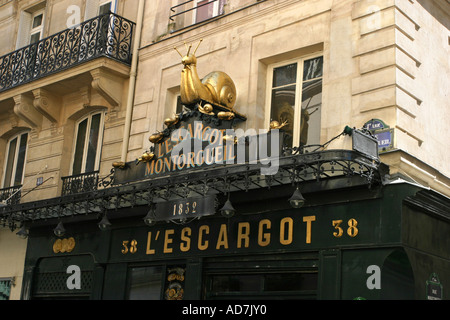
(5,289)
(311,114)
(204,11)
(79,149)
(37,21)
(233,283)
(290,282)
(93,143)
(313,68)
(10,163)
(145,283)
(282,109)
(21,159)
(284,75)
(35,37)
(105,8)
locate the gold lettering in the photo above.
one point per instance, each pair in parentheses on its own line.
(202,245)
(191,159)
(283,240)
(168,145)
(308,221)
(149,241)
(352,230)
(264,238)
(185,236)
(198,130)
(222,239)
(219,154)
(168,240)
(336,225)
(243,236)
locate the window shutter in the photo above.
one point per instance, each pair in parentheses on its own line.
(23,34)
(91,9)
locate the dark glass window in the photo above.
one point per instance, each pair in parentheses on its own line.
(88,144)
(15,162)
(145,283)
(296,97)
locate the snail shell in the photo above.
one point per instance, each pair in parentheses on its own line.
(225,115)
(156,137)
(222,88)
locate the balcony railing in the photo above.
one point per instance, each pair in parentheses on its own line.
(107,35)
(12,194)
(80,183)
(203,10)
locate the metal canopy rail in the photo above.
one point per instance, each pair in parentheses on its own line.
(294,169)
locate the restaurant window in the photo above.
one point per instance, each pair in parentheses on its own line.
(88,142)
(289,285)
(295,96)
(145,283)
(15,160)
(156,282)
(5,289)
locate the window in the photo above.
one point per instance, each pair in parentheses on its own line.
(31,26)
(145,283)
(5,289)
(283,285)
(295,96)
(95,8)
(89,134)
(15,160)
(37,23)
(107,6)
(207,9)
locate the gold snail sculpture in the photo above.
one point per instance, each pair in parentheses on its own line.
(156,137)
(216,87)
(172,121)
(146,157)
(276,125)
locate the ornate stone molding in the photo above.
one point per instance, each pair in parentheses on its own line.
(108,85)
(47,104)
(25,110)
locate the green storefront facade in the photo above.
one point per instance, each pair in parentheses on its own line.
(165,233)
(381,243)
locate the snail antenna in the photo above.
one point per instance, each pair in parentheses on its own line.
(198,46)
(189,49)
(178,51)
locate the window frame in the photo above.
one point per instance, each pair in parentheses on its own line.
(298,92)
(86,141)
(113,5)
(17,136)
(39,29)
(216,10)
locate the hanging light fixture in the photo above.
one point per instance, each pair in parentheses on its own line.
(227,210)
(104,224)
(149,219)
(297,200)
(23,233)
(59,231)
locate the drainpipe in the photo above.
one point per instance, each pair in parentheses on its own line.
(132,84)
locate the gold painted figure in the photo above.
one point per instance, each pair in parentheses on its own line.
(216,87)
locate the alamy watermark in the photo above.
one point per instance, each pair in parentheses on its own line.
(225,146)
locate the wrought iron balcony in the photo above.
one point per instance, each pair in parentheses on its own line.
(12,194)
(108,35)
(79,183)
(203,10)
